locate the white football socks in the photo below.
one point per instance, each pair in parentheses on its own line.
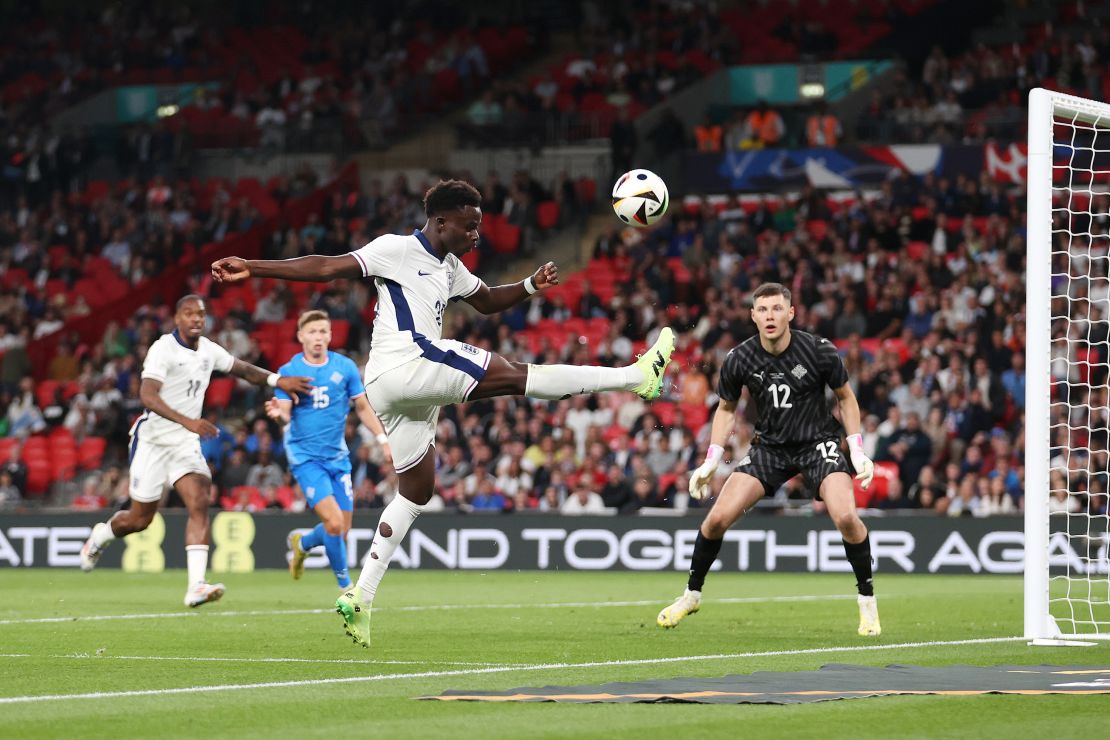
(196,560)
(102,534)
(392,528)
(555,382)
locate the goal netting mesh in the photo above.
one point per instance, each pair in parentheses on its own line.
(1079,367)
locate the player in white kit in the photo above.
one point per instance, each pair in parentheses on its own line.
(164,448)
(412,371)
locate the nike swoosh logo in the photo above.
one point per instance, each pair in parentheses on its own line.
(421,273)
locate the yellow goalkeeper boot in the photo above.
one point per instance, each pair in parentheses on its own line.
(683,606)
(653,364)
(868,617)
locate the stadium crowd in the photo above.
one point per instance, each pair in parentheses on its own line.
(920,286)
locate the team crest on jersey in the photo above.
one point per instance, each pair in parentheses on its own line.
(205,365)
(798,372)
(336,377)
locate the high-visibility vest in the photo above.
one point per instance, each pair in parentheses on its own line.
(708,138)
(765,126)
(822,130)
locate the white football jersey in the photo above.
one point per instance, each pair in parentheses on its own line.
(184,374)
(414,286)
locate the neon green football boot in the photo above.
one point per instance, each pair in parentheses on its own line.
(653,364)
(356,617)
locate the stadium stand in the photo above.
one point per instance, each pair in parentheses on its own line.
(919,282)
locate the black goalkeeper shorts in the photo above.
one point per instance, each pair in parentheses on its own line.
(773,466)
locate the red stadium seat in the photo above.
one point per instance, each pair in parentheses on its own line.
(219,392)
(44,392)
(547,214)
(90,453)
(339,331)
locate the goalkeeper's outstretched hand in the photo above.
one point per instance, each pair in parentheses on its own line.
(699,481)
(865,469)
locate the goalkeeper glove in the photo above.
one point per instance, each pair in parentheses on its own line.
(865,469)
(699,481)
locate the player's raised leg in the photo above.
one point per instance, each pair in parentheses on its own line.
(195,490)
(839,498)
(739,494)
(556,382)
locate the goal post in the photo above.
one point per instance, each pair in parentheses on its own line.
(1067,406)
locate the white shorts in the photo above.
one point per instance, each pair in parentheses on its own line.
(407,398)
(155,466)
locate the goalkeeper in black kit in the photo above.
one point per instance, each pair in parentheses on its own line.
(786,373)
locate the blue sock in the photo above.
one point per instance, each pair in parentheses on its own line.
(315,538)
(336,547)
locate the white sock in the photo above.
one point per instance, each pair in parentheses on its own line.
(555,382)
(196,560)
(392,528)
(102,534)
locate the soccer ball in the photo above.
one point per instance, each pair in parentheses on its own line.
(640,198)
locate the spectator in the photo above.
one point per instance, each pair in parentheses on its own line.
(10,493)
(763,127)
(265,473)
(582,501)
(24,416)
(236,471)
(90,498)
(822,127)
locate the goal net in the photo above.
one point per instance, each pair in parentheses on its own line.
(1067,527)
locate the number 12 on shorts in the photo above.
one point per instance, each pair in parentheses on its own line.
(828,450)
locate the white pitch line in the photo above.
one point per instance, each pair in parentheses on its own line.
(418,608)
(496,669)
(204,659)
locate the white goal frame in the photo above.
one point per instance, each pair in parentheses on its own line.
(1041,627)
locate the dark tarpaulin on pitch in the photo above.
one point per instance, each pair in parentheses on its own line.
(830,682)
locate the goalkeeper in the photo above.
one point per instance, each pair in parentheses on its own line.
(786,373)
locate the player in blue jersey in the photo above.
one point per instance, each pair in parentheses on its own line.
(314,444)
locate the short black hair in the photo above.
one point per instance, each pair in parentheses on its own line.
(186,299)
(447,195)
(770,289)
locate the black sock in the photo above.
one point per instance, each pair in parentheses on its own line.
(705,552)
(859,555)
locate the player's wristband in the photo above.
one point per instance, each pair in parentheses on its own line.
(382,438)
(715,453)
(530,285)
(272,380)
(855,443)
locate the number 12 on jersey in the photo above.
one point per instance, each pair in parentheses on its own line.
(784,401)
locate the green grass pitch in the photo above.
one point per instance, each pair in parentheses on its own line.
(434,631)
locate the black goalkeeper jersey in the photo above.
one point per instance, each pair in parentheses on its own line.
(788,389)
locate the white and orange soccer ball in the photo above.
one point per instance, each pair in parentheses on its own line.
(640,198)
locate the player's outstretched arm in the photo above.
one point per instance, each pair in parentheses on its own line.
(371,421)
(313,268)
(723,421)
(502,297)
(850,418)
(291,384)
(150,393)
